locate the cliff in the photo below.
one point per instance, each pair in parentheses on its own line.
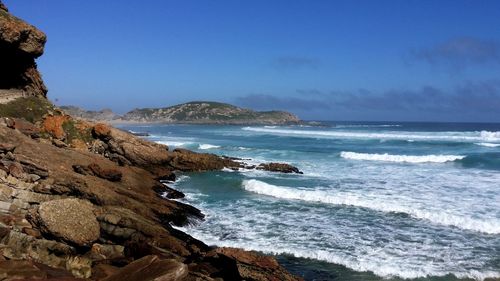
(80,200)
(202,112)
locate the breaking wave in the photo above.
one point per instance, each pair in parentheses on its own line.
(491,226)
(400,158)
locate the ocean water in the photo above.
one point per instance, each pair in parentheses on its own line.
(377,201)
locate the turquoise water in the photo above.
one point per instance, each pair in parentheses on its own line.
(377,201)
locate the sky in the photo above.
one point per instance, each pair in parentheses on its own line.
(396,60)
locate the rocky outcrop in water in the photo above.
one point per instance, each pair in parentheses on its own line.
(80,200)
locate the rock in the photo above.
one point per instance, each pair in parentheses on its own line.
(25,127)
(79,144)
(108,174)
(9,156)
(59,143)
(122,223)
(7,147)
(166,176)
(54,126)
(136,150)
(96,170)
(168,192)
(32,232)
(16,170)
(30,270)
(20,44)
(120,160)
(33,168)
(79,266)
(102,131)
(186,160)
(98,147)
(151,268)
(71,220)
(17,245)
(253,266)
(279,167)
(102,270)
(2,7)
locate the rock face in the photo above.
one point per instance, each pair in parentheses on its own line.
(210,113)
(71,220)
(20,45)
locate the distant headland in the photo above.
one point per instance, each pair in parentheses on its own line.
(196,112)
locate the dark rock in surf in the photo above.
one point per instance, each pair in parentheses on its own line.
(279,167)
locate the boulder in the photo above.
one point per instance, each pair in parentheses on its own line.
(279,167)
(54,126)
(151,268)
(70,220)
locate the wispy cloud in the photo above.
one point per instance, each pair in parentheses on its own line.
(460,52)
(295,62)
(478,98)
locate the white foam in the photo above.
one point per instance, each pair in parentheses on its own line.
(381,267)
(487,144)
(173,143)
(390,135)
(490,226)
(400,158)
(207,146)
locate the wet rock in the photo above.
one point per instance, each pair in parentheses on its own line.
(71,220)
(186,160)
(151,268)
(253,266)
(166,176)
(279,167)
(168,192)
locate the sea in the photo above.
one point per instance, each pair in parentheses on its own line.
(376,200)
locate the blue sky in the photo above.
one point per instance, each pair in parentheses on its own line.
(324,60)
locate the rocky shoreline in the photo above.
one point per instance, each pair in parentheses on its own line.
(82,200)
